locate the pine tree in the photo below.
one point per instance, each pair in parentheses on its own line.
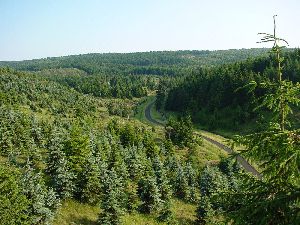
(165,189)
(135,162)
(149,194)
(77,148)
(204,210)
(14,205)
(62,178)
(162,179)
(212,181)
(92,188)
(274,199)
(111,202)
(132,198)
(181,183)
(43,201)
(192,184)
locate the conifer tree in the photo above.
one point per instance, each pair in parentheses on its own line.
(92,189)
(204,210)
(77,149)
(135,162)
(62,178)
(111,202)
(273,199)
(181,183)
(149,194)
(162,179)
(212,182)
(43,201)
(165,189)
(192,184)
(14,205)
(132,198)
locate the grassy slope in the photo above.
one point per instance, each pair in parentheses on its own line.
(73,212)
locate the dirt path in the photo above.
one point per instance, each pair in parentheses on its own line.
(240,159)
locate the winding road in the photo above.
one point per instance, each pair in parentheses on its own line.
(240,159)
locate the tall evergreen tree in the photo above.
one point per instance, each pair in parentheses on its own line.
(162,179)
(62,178)
(77,149)
(274,199)
(43,201)
(111,202)
(92,188)
(14,205)
(192,184)
(181,184)
(149,194)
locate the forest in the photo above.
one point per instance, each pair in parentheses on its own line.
(72,150)
(214,97)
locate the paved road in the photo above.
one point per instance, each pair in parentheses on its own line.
(240,159)
(148,114)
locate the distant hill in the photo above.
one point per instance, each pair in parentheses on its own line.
(148,63)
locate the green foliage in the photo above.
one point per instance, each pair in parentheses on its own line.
(275,198)
(180,131)
(92,182)
(192,195)
(204,210)
(111,202)
(214,96)
(142,63)
(149,194)
(166,215)
(43,201)
(19,88)
(14,205)
(77,149)
(56,117)
(62,178)
(212,180)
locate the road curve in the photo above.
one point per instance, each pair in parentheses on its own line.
(148,114)
(240,159)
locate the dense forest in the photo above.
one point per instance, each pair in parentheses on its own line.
(215,97)
(68,136)
(145,63)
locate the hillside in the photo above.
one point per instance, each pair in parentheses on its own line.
(76,146)
(215,99)
(144,63)
(62,150)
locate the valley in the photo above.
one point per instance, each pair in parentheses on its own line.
(97,142)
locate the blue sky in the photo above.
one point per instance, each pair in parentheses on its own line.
(42,28)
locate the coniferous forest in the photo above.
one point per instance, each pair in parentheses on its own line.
(77,146)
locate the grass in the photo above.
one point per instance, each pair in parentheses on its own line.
(157,115)
(73,212)
(204,154)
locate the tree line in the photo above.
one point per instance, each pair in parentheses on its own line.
(214,97)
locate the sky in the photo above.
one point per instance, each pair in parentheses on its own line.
(45,28)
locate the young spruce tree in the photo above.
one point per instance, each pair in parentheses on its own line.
(111,202)
(62,178)
(275,198)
